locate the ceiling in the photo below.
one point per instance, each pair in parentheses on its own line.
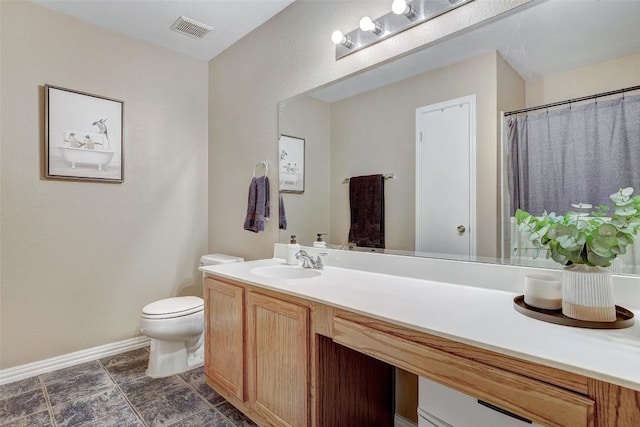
(150,20)
(539,39)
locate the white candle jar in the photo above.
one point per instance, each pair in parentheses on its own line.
(543,291)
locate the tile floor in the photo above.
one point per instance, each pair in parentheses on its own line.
(114,391)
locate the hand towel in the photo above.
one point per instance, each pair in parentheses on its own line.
(366,200)
(257,204)
(282,215)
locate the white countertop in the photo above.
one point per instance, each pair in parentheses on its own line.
(480,317)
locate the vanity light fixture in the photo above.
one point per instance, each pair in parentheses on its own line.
(400,7)
(403,15)
(368,24)
(340,39)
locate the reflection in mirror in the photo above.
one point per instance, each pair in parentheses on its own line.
(367,124)
(565,162)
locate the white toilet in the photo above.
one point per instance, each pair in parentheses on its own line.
(175,326)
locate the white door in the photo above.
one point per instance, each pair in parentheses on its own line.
(445,177)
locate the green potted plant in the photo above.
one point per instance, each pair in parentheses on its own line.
(585,241)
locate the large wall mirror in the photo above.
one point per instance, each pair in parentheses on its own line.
(370,123)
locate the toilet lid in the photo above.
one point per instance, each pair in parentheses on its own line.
(173,307)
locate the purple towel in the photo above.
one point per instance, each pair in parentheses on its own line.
(282,215)
(257,204)
(366,200)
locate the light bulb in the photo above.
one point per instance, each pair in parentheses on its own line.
(337,37)
(368,24)
(399,7)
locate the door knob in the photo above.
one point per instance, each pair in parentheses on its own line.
(461,229)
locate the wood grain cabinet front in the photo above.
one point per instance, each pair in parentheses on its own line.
(535,400)
(224,336)
(286,361)
(257,353)
(278,360)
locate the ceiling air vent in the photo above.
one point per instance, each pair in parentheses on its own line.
(190,27)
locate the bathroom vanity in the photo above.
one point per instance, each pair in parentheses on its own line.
(320,351)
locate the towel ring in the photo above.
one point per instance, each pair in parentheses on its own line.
(263,163)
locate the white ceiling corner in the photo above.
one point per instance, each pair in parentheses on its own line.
(150,20)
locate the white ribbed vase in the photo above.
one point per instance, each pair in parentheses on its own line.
(587,293)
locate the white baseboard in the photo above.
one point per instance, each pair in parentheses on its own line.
(29,370)
(400,421)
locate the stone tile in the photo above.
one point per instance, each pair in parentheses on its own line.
(41,419)
(73,388)
(236,417)
(128,357)
(19,387)
(22,405)
(140,392)
(209,418)
(123,418)
(172,407)
(196,379)
(194,375)
(131,371)
(68,374)
(89,409)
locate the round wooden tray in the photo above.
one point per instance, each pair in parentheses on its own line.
(624,317)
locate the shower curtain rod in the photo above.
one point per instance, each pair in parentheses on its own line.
(571,101)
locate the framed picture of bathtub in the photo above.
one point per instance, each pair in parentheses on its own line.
(83,136)
(291,164)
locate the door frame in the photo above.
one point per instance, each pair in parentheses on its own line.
(471,228)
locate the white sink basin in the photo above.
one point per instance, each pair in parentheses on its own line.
(285,272)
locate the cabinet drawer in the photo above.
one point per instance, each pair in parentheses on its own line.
(540,402)
(445,406)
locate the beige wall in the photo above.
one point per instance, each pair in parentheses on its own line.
(615,74)
(307,213)
(79,260)
(375,133)
(249,79)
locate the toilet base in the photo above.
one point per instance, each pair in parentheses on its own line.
(168,358)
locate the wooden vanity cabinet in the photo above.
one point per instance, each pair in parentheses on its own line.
(257,353)
(541,402)
(278,360)
(287,361)
(224,336)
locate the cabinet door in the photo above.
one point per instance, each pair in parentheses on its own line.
(224,336)
(278,360)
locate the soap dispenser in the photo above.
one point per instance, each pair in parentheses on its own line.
(292,249)
(319,243)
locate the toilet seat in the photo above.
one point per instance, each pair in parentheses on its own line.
(173,307)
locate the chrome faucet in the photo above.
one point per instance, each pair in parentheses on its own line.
(309,262)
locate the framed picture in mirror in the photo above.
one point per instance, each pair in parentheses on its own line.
(83,136)
(291,164)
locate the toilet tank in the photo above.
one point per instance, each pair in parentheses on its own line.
(217,259)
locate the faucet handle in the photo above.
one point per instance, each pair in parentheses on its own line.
(319,264)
